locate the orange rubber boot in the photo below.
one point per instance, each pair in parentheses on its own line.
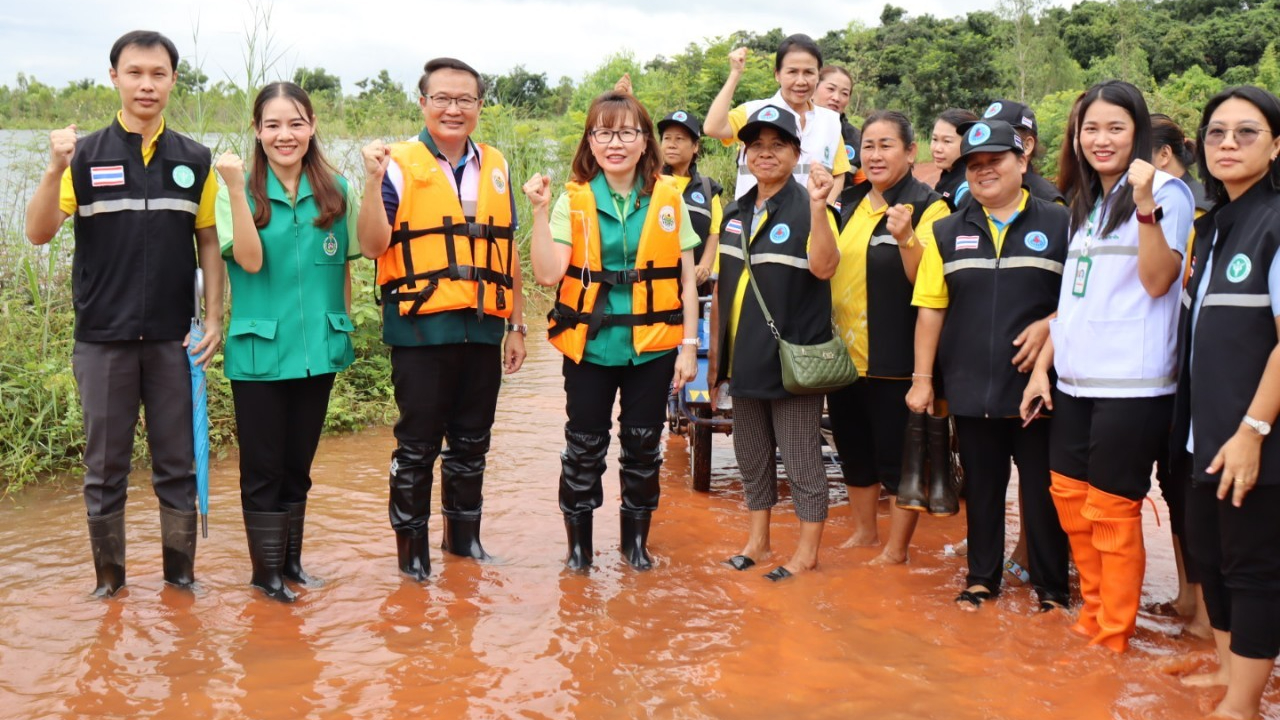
(1117,536)
(1069,497)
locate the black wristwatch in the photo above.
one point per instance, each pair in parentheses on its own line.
(521,328)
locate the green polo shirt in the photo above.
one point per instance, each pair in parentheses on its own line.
(613,346)
(452,326)
(289,320)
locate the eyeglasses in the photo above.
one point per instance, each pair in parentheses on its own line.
(466,102)
(626,135)
(1245,135)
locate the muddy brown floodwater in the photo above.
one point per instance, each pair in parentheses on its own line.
(523,639)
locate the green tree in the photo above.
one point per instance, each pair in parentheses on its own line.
(519,87)
(317,80)
(381,87)
(190,79)
(1268,76)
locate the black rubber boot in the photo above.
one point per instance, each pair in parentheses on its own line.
(582,468)
(461,495)
(578,529)
(413,554)
(635,535)
(178,539)
(106,538)
(293,552)
(943,499)
(911,486)
(641,462)
(268,534)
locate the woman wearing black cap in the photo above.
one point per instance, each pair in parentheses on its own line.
(1229,393)
(944,146)
(797,65)
(679,134)
(992,271)
(887,221)
(1023,120)
(785,235)
(1113,348)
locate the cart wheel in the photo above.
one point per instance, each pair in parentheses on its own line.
(700,451)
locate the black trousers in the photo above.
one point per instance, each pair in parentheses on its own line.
(986,447)
(278,425)
(114,379)
(590,391)
(444,392)
(868,424)
(1235,553)
(1111,443)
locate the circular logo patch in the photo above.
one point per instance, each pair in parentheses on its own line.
(667,218)
(768,114)
(1037,241)
(1239,268)
(698,197)
(850,152)
(979,133)
(680,116)
(499,181)
(779,234)
(992,110)
(184,176)
(331,245)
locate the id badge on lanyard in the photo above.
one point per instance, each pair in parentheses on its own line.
(1083,265)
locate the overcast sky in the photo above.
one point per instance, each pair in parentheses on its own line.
(354,39)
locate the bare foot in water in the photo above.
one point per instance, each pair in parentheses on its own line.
(888,557)
(1198,630)
(1217,678)
(861,540)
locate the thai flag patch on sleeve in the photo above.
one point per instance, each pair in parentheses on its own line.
(966,242)
(106,176)
(733,226)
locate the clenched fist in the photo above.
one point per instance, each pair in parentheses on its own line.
(231,168)
(376,157)
(898,222)
(62,145)
(820,183)
(738,60)
(538,190)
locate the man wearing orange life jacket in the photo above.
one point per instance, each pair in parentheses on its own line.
(439,218)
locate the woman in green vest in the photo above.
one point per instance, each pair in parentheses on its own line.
(287,237)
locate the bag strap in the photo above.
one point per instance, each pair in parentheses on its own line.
(746,260)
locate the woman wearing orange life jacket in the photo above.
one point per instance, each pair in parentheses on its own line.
(619,243)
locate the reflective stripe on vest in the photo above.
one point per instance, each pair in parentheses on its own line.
(444,256)
(656,319)
(101,207)
(1119,383)
(1010,263)
(1248,300)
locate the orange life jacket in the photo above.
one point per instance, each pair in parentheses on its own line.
(656,320)
(441,258)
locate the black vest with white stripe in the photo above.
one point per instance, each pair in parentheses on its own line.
(891,318)
(992,300)
(1235,332)
(700,209)
(133,270)
(799,302)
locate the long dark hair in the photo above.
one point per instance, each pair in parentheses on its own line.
(330,200)
(606,111)
(1088,185)
(1067,170)
(1268,105)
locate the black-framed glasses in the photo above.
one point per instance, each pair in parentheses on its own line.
(605,136)
(466,102)
(1245,135)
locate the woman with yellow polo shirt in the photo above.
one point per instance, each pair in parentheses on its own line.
(679,134)
(619,243)
(778,249)
(991,274)
(886,224)
(797,66)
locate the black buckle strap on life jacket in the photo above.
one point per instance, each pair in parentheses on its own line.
(630,276)
(488,233)
(566,318)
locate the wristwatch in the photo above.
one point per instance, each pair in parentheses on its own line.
(521,328)
(1261,427)
(1156,216)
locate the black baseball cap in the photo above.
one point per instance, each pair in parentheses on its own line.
(770,116)
(1014,113)
(988,136)
(684,119)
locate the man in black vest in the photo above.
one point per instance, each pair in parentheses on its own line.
(138,194)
